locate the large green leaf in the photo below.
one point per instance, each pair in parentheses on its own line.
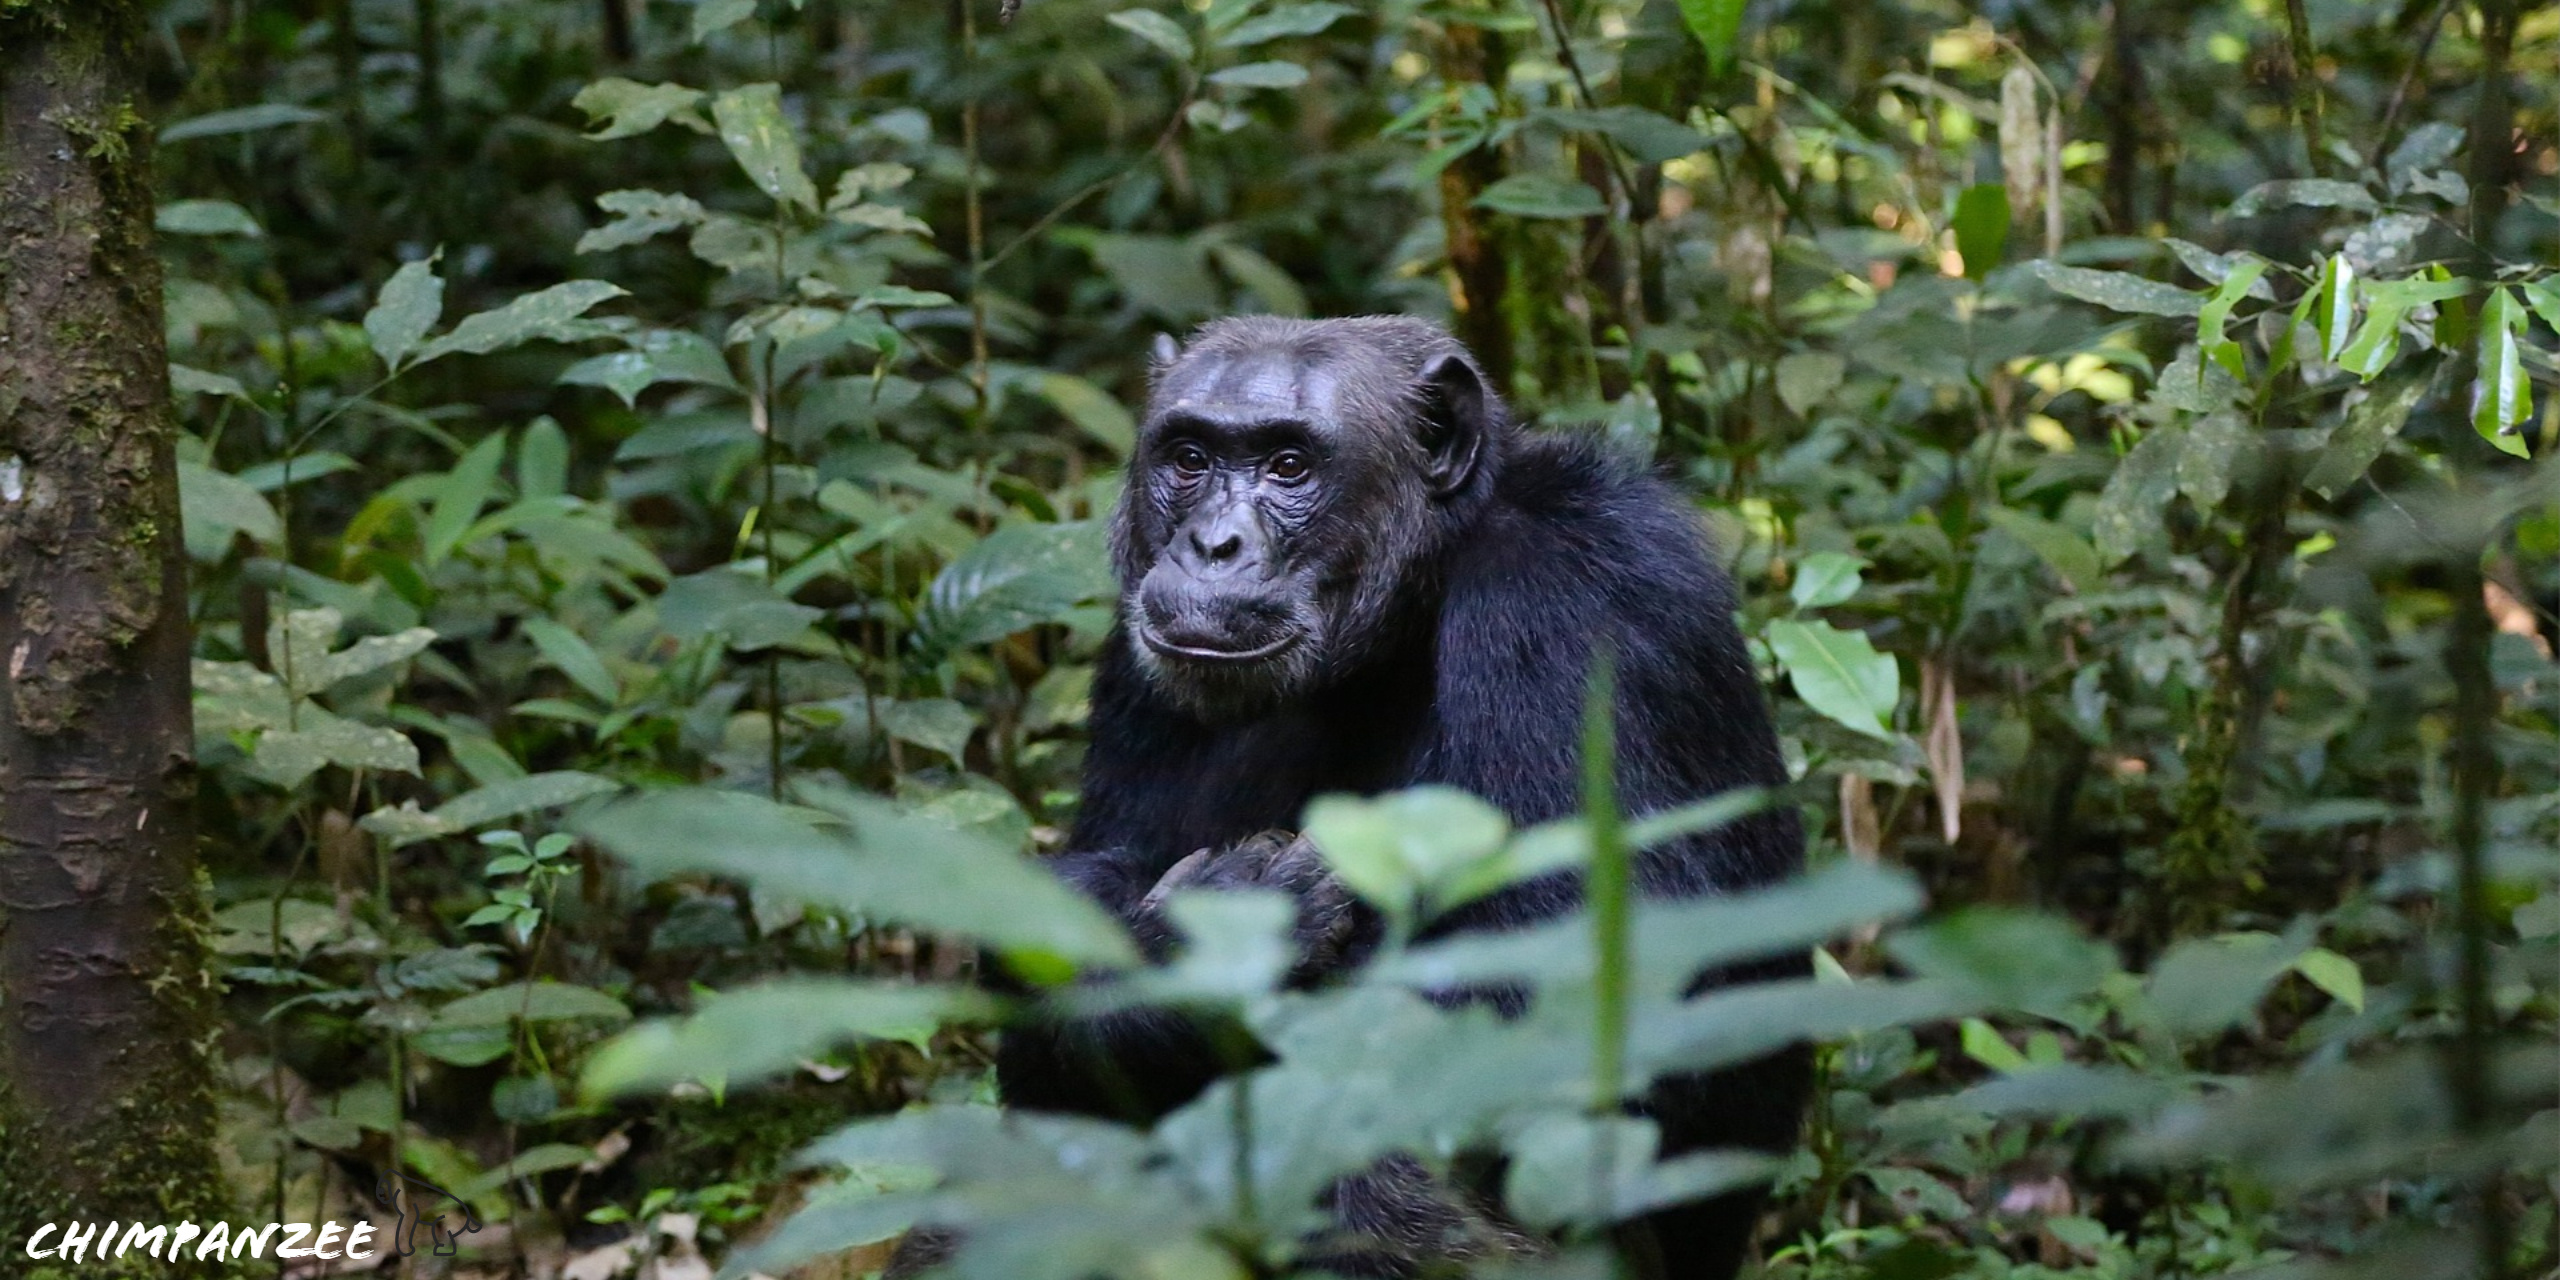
(738,1037)
(407,307)
(551,314)
(873,861)
(1542,195)
(214,508)
(2118,290)
(265,115)
(621,108)
(1156,29)
(2501,398)
(543,1001)
(752,125)
(1282,22)
(1717,24)
(1839,673)
(1021,576)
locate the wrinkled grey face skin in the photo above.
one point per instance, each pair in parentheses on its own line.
(1288,480)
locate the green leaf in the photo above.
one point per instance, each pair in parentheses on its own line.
(2370,423)
(659,355)
(570,653)
(460,494)
(640,216)
(2501,398)
(206,218)
(2009,958)
(2337,305)
(1021,576)
(936,724)
(1385,849)
(286,757)
(2334,974)
(752,125)
(2128,514)
(265,115)
(1825,578)
(542,1001)
(1156,29)
(2067,553)
(214,508)
(738,1037)
(2204,985)
(2325,193)
(1092,410)
(406,824)
(2118,290)
(542,460)
(541,1159)
(626,107)
(1807,378)
(1982,227)
(1260,75)
(523,795)
(1718,26)
(299,642)
(2212,320)
(742,608)
(1984,1044)
(2544,297)
(713,16)
(2208,456)
(1163,274)
(407,307)
(1839,673)
(1542,195)
(1648,136)
(1278,293)
(551,314)
(185,380)
(880,863)
(1283,22)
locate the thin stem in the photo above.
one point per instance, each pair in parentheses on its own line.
(2475,775)
(2306,82)
(976,214)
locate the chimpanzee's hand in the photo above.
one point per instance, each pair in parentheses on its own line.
(1290,864)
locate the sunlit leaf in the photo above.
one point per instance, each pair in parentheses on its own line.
(407,307)
(1156,29)
(1542,195)
(742,1036)
(1839,673)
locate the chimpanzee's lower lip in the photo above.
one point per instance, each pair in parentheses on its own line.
(1200,653)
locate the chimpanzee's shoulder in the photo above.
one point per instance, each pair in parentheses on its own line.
(1602,511)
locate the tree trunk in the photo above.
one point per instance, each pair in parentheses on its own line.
(106,1099)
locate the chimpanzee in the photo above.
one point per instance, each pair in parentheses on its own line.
(1344,569)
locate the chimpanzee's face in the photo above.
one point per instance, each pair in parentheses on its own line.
(1279,494)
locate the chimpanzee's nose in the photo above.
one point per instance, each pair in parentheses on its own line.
(1218,543)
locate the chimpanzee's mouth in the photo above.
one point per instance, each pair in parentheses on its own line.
(1216,654)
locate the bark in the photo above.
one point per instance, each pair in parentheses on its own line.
(106,1107)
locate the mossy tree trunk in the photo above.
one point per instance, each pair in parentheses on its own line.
(106,1107)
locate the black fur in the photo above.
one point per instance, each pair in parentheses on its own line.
(1458,656)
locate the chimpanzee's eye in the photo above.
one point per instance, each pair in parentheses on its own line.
(1190,459)
(1289,466)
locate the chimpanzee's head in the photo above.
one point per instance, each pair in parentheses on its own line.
(1293,484)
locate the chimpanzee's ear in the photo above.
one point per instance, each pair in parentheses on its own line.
(1166,352)
(1455,420)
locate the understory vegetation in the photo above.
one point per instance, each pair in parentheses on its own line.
(643,480)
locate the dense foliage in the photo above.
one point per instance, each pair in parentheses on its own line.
(642,490)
